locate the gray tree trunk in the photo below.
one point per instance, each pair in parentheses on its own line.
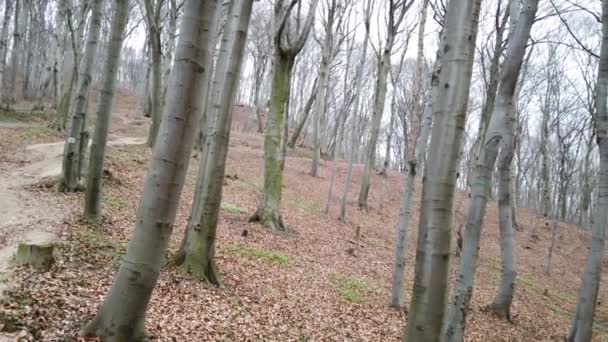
(9,82)
(76,139)
(582,325)
(499,133)
(8,8)
(429,295)
(152,13)
(121,316)
(92,207)
(354,137)
(199,253)
(415,152)
(306,113)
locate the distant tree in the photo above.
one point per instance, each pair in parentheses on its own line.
(287,45)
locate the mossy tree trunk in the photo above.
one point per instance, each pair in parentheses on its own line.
(199,248)
(122,314)
(285,52)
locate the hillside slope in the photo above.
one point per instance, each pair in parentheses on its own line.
(302,285)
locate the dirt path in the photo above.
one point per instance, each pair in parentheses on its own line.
(24,216)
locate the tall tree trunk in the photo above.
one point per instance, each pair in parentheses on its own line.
(121,316)
(285,52)
(499,133)
(92,207)
(416,150)
(384,64)
(199,257)
(586,191)
(306,113)
(153,9)
(320,111)
(76,139)
(9,82)
(582,325)
(426,316)
(8,8)
(355,139)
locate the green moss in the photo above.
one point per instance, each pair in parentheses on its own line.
(259,254)
(232,208)
(115,202)
(24,116)
(352,289)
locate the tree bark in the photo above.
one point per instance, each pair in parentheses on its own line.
(76,139)
(153,9)
(92,208)
(8,8)
(426,316)
(121,316)
(415,152)
(499,133)
(199,258)
(582,325)
(306,113)
(9,82)
(285,52)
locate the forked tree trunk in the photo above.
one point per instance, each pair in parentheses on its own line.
(285,52)
(199,257)
(76,139)
(429,296)
(499,133)
(268,212)
(582,326)
(415,152)
(92,207)
(122,314)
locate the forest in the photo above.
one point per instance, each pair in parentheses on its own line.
(303,170)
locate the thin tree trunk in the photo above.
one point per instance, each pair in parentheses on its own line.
(426,316)
(582,325)
(11,79)
(8,8)
(76,139)
(92,208)
(416,149)
(320,113)
(384,64)
(499,133)
(354,137)
(306,113)
(199,258)
(121,316)
(152,9)
(387,152)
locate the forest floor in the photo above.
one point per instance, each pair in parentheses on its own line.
(303,285)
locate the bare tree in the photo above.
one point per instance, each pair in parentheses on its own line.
(425,319)
(582,325)
(121,316)
(286,48)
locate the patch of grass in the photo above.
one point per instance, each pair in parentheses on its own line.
(232,208)
(248,184)
(24,116)
(352,289)
(40,133)
(307,206)
(115,202)
(260,254)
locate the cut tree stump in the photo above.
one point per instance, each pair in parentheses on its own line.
(39,256)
